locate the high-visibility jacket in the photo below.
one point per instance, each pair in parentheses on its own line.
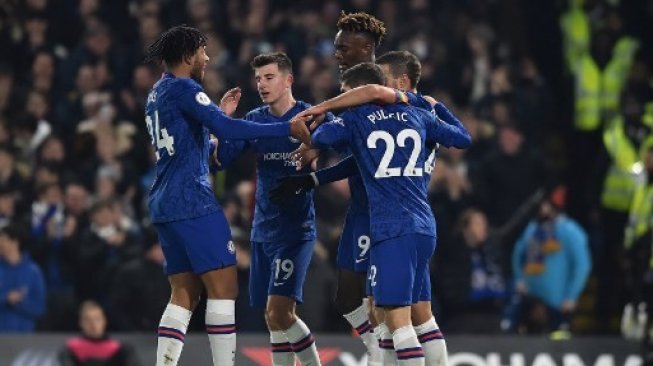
(640,220)
(575,27)
(621,180)
(598,91)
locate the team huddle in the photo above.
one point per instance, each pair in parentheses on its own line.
(388,135)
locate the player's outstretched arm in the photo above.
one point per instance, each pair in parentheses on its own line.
(228,151)
(296,184)
(446,116)
(371,93)
(450,134)
(345,168)
(194,103)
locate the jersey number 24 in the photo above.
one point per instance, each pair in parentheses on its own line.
(160,137)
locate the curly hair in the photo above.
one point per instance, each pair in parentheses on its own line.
(174,45)
(362,23)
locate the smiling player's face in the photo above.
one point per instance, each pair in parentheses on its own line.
(352,49)
(199,62)
(272,83)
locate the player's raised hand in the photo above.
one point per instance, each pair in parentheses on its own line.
(317,114)
(290,186)
(299,130)
(230,100)
(303,156)
(317,120)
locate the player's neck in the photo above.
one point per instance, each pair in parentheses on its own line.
(283,105)
(179,71)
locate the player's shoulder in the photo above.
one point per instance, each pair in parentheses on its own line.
(184,86)
(348,114)
(258,113)
(363,109)
(302,106)
(430,100)
(421,101)
(423,116)
(186,83)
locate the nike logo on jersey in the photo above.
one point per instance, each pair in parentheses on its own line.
(361,260)
(278,284)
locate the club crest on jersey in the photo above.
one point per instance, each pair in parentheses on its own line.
(231,247)
(202,98)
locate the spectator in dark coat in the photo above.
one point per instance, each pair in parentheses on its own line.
(140,290)
(103,246)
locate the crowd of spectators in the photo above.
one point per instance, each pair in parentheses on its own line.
(75,162)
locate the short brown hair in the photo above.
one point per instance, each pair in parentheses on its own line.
(402,62)
(363,74)
(281,59)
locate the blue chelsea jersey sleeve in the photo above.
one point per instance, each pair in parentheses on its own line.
(450,134)
(194,103)
(230,150)
(331,134)
(345,168)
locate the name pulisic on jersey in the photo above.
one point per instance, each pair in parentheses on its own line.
(381,115)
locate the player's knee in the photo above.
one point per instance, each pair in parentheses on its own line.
(421,312)
(224,292)
(185,299)
(279,319)
(221,284)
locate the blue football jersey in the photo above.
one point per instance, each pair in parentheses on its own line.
(347,168)
(388,144)
(179,117)
(294,220)
(418,100)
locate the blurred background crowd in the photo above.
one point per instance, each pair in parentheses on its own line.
(543,224)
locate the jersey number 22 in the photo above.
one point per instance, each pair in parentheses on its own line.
(384,170)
